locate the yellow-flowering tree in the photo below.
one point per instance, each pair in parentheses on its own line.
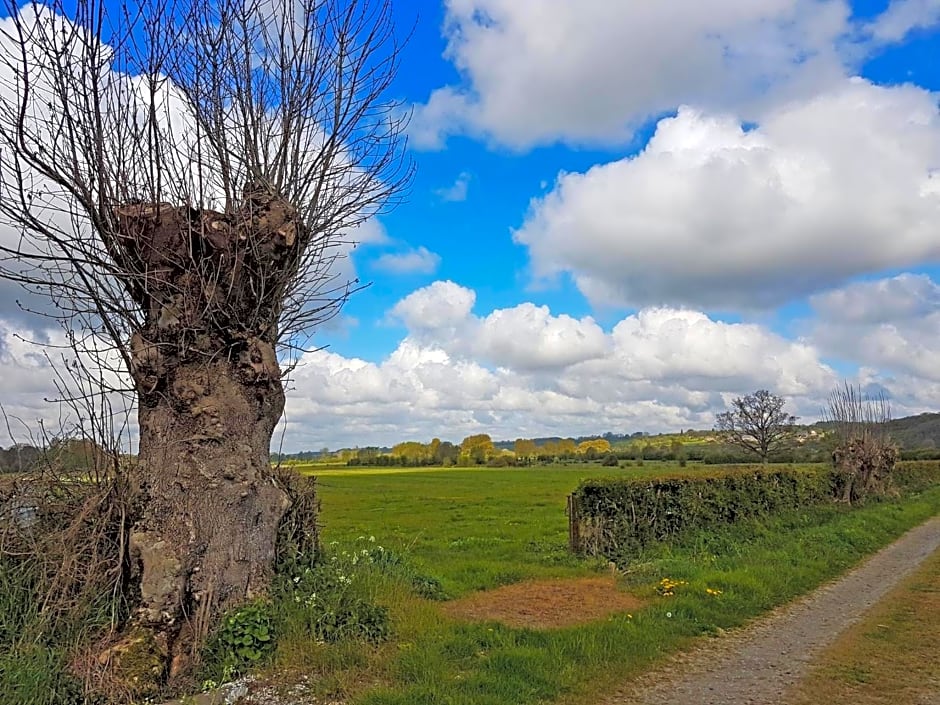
(599,446)
(478,448)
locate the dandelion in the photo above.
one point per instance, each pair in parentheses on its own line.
(667,586)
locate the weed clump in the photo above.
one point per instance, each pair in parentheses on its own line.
(244,640)
(317,598)
(64,574)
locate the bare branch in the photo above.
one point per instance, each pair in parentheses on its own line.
(204,108)
(178,180)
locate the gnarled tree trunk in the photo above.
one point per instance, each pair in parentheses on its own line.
(209,397)
(281,121)
(208,534)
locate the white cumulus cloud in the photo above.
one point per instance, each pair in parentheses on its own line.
(889,325)
(714,215)
(540,71)
(526,337)
(417,261)
(457,191)
(441,305)
(529,337)
(36,378)
(904,16)
(522,371)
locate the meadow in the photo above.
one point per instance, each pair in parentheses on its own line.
(475,529)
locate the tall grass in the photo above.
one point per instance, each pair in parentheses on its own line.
(34,653)
(61,579)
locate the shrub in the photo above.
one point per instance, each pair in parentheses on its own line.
(244,640)
(617,516)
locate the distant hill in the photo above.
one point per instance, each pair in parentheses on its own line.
(921,431)
(911,432)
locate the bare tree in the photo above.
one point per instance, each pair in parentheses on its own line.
(757,422)
(864,454)
(181,178)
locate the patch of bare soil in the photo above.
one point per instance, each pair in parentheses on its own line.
(546,604)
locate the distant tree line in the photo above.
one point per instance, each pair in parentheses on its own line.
(59,454)
(18,458)
(775,439)
(479,449)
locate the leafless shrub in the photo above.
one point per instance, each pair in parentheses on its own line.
(864,454)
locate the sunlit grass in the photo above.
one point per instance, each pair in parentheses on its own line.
(477,529)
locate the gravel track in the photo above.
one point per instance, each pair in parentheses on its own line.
(758,663)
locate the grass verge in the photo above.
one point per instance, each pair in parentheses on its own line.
(888,657)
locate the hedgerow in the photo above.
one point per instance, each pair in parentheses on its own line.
(616,516)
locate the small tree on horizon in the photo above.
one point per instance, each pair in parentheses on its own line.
(757,422)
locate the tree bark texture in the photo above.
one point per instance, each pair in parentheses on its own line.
(207,539)
(209,397)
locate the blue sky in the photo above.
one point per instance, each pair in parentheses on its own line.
(472,235)
(784,221)
(626,214)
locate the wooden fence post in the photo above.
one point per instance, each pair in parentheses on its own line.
(574,525)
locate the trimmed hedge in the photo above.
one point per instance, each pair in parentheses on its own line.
(911,476)
(614,516)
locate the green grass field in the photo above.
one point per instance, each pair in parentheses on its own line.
(478,528)
(471,528)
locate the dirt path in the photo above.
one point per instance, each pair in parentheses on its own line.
(756,665)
